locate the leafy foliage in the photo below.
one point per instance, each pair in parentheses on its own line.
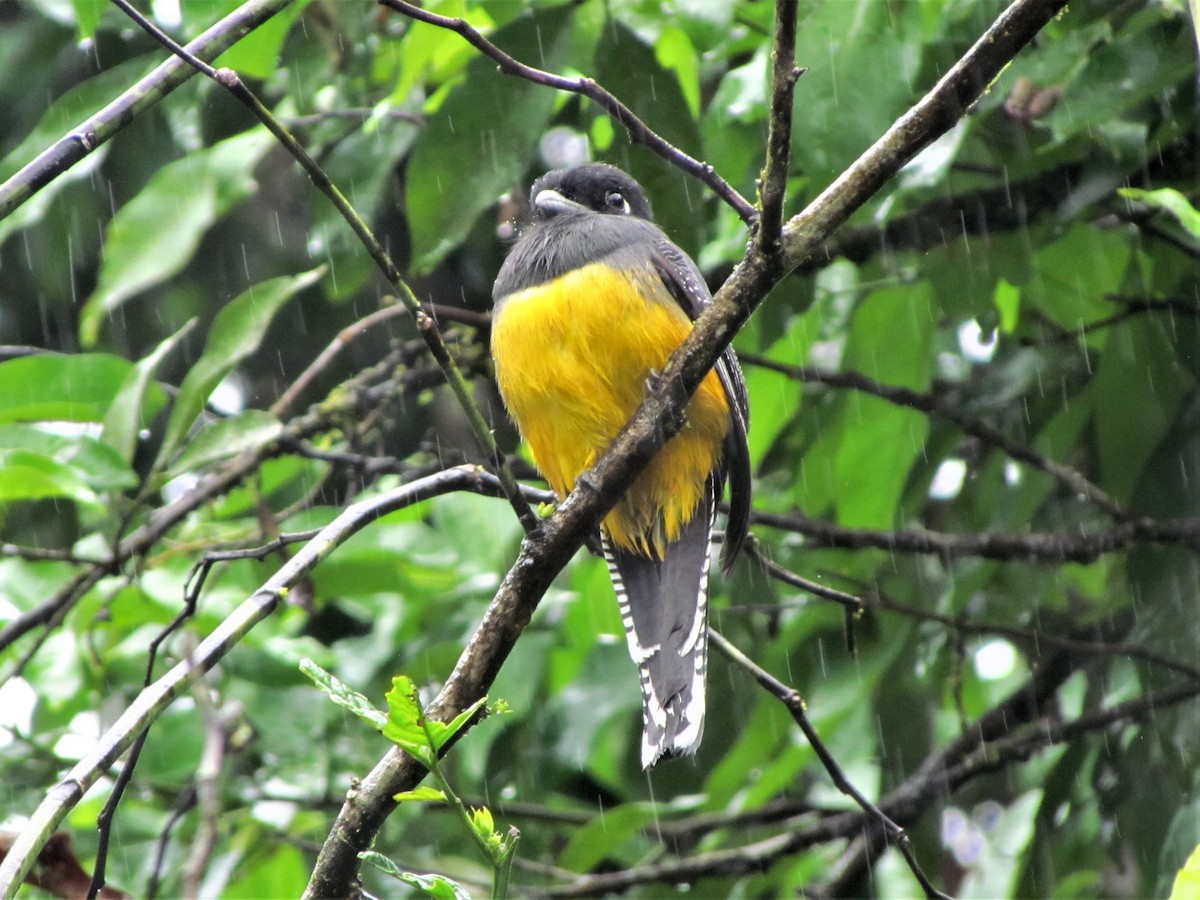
(977,411)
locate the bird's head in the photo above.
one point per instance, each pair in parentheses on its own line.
(587,189)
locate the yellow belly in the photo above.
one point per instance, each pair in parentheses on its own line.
(572,358)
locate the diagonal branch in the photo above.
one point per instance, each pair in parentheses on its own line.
(932,404)
(151,702)
(91,133)
(794,703)
(546,551)
(425,324)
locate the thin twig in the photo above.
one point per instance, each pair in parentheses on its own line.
(341,340)
(426,326)
(1082,546)
(849,601)
(639,131)
(96,130)
(934,405)
(794,703)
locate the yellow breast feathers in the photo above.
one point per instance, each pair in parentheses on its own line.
(572,359)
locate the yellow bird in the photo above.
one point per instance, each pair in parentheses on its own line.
(589,306)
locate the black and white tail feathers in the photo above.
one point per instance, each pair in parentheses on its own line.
(664,607)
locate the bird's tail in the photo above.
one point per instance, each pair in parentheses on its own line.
(664,607)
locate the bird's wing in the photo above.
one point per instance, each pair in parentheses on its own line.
(687,286)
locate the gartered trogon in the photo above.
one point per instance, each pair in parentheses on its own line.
(589,305)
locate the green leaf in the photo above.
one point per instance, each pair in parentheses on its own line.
(56,387)
(236,333)
(422,794)
(67,112)
(1171,201)
(256,55)
(139,399)
(408,728)
(276,871)
(484,824)
(1073,274)
(628,66)
(404,726)
(674,52)
(478,145)
(776,396)
(1187,881)
(87,16)
(861,57)
(437,886)
(590,844)
(154,235)
(1121,74)
(444,731)
(342,695)
(228,437)
(1007,298)
(882,440)
(1135,378)
(32,476)
(95,463)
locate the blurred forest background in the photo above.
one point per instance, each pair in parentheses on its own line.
(978,412)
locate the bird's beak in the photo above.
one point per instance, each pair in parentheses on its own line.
(552,203)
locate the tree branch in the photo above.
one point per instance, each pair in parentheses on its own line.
(426,326)
(546,551)
(147,93)
(1081,547)
(639,131)
(152,701)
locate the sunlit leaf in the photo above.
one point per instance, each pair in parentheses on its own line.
(1187,881)
(95,463)
(422,794)
(404,725)
(57,387)
(1171,201)
(87,16)
(675,52)
(1007,298)
(25,475)
(483,823)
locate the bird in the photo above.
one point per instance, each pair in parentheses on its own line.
(589,304)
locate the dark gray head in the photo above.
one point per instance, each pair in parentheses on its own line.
(590,188)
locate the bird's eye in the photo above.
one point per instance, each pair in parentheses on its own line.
(616,202)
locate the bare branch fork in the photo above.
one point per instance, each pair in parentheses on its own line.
(546,551)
